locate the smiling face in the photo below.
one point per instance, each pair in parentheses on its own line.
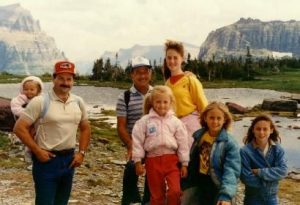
(174,61)
(161,104)
(262,131)
(141,77)
(63,83)
(215,120)
(31,89)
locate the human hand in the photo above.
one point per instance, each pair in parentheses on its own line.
(77,160)
(139,169)
(183,172)
(255,171)
(224,203)
(24,98)
(44,155)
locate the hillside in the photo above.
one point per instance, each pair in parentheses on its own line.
(24,47)
(273,38)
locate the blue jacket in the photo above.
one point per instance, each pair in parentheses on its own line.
(225,164)
(272,168)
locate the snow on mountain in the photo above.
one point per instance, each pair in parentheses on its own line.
(24,47)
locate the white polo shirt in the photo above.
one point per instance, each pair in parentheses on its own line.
(58,128)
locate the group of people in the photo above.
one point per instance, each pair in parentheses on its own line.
(172,135)
(183,145)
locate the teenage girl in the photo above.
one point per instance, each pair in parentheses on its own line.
(187,89)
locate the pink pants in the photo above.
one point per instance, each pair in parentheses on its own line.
(163,174)
(192,123)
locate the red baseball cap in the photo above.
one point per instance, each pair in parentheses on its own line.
(64,67)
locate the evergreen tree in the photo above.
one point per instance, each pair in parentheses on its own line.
(97,69)
(248,65)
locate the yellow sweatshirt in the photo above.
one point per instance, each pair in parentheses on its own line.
(189,95)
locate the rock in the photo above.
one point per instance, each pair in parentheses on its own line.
(73,201)
(118,162)
(263,37)
(24,47)
(7,120)
(235,108)
(279,105)
(294,176)
(296,97)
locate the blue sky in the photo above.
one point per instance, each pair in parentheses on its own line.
(84,29)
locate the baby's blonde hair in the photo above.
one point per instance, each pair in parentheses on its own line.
(222,107)
(158,90)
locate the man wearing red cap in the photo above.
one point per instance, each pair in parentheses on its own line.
(56,117)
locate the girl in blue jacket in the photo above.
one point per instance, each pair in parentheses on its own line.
(263,162)
(215,162)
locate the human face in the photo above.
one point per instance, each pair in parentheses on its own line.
(31,89)
(141,77)
(174,61)
(215,120)
(161,104)
(63,83)
(262,131)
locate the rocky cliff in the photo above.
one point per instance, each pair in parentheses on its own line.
(24,47)
(263,38)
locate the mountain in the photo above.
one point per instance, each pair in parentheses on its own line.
(273,38)
(24,47)
(152,52)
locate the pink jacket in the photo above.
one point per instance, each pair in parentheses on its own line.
(17,103)
(158,135)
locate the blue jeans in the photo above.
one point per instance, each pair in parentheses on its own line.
(53,180)
(258,200)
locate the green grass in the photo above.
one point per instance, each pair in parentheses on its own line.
(4,141)
(285,81)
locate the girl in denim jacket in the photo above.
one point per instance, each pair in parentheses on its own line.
(215,163)
(161,138)
(263,162)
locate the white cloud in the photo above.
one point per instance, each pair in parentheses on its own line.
(85,29)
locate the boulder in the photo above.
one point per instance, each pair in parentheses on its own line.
(279,105)
(7,120)
(235,108)
(296,97)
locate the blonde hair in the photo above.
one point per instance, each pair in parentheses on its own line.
(222,107)
(178,47)
(158,90)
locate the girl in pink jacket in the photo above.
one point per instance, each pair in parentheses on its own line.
(161,138)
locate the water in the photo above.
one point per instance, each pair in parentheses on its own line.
(103,97)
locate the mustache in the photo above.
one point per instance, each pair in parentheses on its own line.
(65,86)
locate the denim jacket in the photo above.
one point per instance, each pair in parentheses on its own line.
(225,164)
(272,167)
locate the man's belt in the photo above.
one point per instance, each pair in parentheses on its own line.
(63,152)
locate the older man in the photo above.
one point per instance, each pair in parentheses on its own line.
(56,117)
(129,109)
